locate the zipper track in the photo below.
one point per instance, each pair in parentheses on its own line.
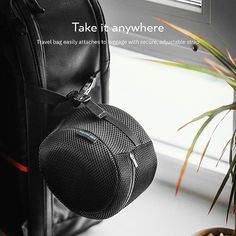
(132,183)
(132,167)
(133,175)
(33,36)
(131,162)
(103,47)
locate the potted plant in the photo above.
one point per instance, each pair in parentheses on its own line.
(224,68)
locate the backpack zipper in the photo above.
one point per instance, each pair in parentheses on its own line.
(33,35)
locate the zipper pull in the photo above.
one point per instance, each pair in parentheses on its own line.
(132,158)
(35,7)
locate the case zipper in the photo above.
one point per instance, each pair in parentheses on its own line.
(134,165)
(132,158)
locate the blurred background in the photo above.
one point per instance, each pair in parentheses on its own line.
(163,98)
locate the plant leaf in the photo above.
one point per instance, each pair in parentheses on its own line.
(204,152)
(234,202)
(215,68)
(223,151)
(221,70)
(219,66)
(190,150)
(231,82)
(231,147)
(230,57)
(208,143)
(213,112)
(209,47)
(227,78)
(223,184)
(232,193)
(186,66)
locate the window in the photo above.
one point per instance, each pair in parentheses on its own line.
(213,20)
(190,5)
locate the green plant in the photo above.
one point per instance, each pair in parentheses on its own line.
(225,70)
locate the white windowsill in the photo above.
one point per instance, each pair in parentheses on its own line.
(204,183)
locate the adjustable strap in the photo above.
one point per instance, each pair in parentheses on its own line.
(49,97)
(102,114)
(63,105)
(44,96)
(125,129)
(75,98)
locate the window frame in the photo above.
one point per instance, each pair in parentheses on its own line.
(202,17)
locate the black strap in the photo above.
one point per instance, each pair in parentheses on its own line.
(44,96)
(125,129)
(50,97)
(65,104)
(95,109)
(102,114)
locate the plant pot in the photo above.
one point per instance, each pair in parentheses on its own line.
(215,232)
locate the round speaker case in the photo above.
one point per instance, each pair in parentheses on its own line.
(92,167)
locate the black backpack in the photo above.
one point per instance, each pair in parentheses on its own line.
(31,55)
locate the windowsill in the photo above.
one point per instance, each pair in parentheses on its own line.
(159,212)
(204,183)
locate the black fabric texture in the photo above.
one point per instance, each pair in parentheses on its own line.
(93,174)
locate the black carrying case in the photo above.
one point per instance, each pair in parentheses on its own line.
(25,199)
(98,160)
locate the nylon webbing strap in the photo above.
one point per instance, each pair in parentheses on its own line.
(44,96)
(50,97)
(102,114)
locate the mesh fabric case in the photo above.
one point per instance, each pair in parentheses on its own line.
(93,167)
